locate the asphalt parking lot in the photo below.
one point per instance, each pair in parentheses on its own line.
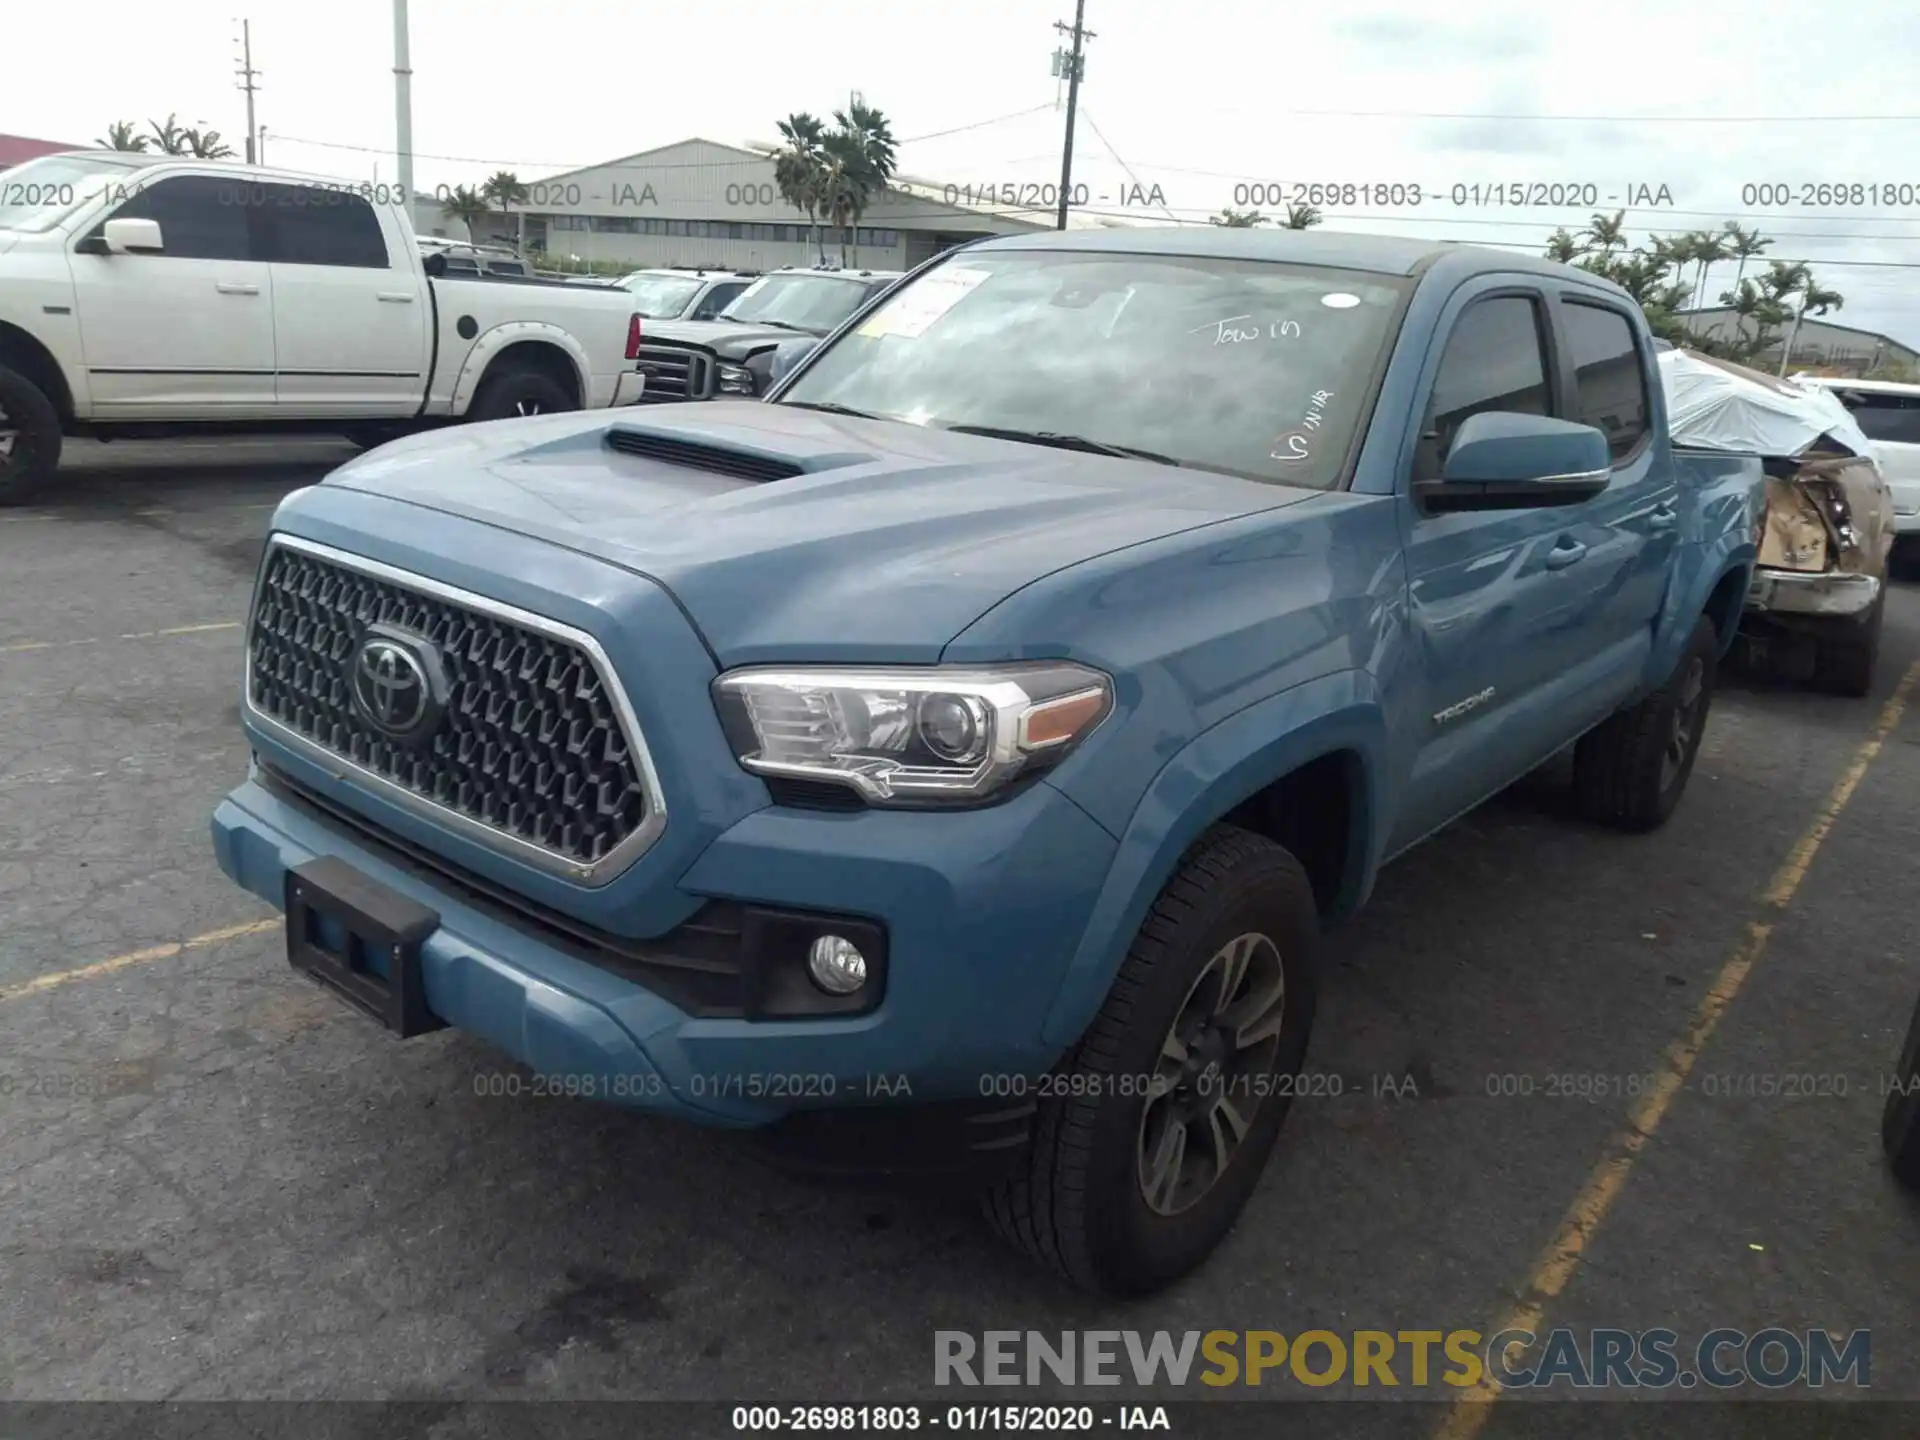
(216,1182)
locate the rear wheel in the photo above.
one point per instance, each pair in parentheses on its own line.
(1849,651)
(30,438)
(1631,770)
(519,392)
(1153,1131)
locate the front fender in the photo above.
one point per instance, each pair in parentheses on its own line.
(1215,772)
(489,345)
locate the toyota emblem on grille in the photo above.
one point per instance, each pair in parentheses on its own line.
(397,684)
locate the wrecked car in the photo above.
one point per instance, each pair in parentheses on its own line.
(1818,596)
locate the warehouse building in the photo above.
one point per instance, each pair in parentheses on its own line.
(702,203)
(1820,345)
(18,149)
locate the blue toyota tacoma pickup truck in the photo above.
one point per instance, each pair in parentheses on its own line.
(959,754)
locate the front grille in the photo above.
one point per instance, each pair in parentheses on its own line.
(530,747)
(674,373)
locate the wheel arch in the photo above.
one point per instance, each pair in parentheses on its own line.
(524,344)
(1301,767)
(22,352)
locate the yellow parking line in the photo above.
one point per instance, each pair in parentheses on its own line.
(26,645)
(42,983)
(1557,1263)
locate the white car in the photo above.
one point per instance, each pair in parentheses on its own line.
(1888,413)
(671,294)
(150,296)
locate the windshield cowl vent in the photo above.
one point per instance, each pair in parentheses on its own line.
(694,455)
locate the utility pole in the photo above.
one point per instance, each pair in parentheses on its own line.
(247,75)
(403,105)
(1075,64)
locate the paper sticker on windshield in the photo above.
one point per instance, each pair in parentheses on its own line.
(924,301)
(1340,300)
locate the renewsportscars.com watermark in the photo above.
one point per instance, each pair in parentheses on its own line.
(1774,1358)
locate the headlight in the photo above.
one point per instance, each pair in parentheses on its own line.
(911,736)
(733,379)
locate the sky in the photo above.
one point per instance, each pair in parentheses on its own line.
(1200,99)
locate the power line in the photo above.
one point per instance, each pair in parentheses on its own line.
(1123,164)
(565,165)
(1597,119)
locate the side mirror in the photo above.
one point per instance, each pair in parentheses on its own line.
(1501,460)
(787,355)
(132,237)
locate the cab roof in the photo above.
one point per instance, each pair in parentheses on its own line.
(1332,249)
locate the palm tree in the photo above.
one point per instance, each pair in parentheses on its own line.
(1709,249)
(505,189)
(171,139)
(861,148)
(204,145)
(1564,246)
(1674,252)
(467,205)
(1607,233)
(1745,245)
(1301,217)
(1237,219)
(1815,299)
(121,136)
(799,170)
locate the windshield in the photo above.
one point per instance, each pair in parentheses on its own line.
(806,302)
(1250,367)
(40,193)
(661,296)
(1887,418)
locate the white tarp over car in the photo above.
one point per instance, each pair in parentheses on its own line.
(1718,405)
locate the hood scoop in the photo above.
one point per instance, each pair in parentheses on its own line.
(701,455)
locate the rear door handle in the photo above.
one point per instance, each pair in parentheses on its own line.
(1664,518)
(396,297)
(1564,554)
(228,287)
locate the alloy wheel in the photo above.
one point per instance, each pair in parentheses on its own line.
(1214,1071)
(1682,730)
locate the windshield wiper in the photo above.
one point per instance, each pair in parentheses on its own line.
(1067,442)
(829,407)
(770,324)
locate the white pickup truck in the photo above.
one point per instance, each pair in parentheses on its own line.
(145,296)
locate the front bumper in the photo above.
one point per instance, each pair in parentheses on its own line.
(982,909)
(1828,595)
(628,389)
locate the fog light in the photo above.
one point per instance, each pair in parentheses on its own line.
(836,965)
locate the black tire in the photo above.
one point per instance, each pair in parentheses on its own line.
(1849,651)
(518,392)
(32,454)
(1078,1203)
(1631,770)
(1900,1119)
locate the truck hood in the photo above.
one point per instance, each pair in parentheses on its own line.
(728,340)
(892,542)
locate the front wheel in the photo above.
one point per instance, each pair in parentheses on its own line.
(1152,1132)
(1631,770)
(30,438)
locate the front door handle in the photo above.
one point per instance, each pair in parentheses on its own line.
(1564,554)
(228,287)
(1664,518)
